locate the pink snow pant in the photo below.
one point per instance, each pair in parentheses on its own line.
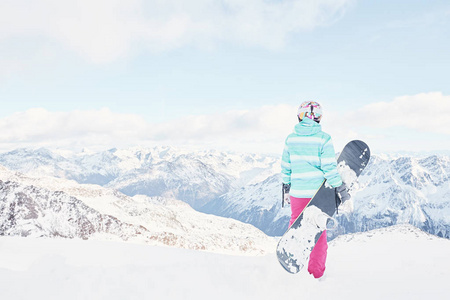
(318,256)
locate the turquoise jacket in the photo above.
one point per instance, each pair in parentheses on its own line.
(308,159)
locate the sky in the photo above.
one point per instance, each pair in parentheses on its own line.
(228,74)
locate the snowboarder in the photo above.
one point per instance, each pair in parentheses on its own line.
(309,158)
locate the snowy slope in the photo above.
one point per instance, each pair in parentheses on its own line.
(40,162)
(403,190)
(53,207)
(194,177)
(258,204)
(394,263)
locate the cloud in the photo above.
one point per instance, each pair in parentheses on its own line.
(407,123)
(40,127)
(426,112)
(103,129)
(250,125)
(417,122)
(105,30)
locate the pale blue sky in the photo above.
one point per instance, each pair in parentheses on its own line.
(350,55)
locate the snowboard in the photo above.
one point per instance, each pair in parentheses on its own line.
(296,244)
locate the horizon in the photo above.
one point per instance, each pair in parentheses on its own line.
(67,153)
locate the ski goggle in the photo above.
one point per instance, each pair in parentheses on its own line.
(313,116)
(310,104)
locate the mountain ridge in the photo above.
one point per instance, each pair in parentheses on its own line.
(246,187)
(53,207)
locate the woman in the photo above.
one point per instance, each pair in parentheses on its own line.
(308,159)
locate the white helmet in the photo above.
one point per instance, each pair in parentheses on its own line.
(310,109)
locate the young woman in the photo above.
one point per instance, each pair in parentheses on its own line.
(308,159)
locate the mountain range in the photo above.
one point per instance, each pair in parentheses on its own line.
(55,207)
(246,187)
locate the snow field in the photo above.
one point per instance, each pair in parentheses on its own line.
(399,262)
(73,269)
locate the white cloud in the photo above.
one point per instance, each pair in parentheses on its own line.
(102,129)
(418,123)
(105,30)
(263,123)
(426,112)
(39,127)
(408,123)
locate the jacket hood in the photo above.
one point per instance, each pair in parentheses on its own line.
(307,127)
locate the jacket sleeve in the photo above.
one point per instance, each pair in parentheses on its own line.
(286,165)
(329,164)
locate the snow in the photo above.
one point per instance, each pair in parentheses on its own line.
(159,220)
(347,174)
(398,262)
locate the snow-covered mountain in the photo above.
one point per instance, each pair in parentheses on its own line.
(258,204)
(389,191)
(31,211)
(246,187)
(53,207)
(193,177)
(403,190)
